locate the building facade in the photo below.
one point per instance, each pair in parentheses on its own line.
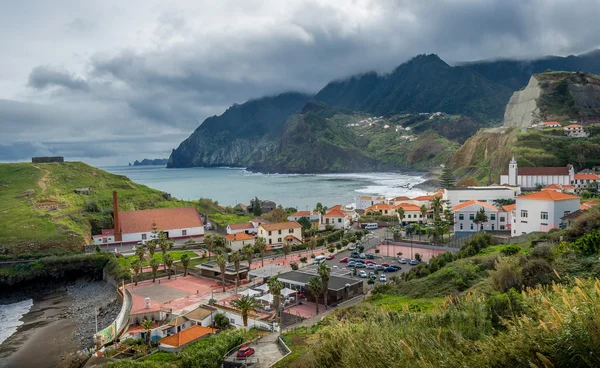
(275,233)
(487,194)
(542,211)
(531,177)
(465,213)
(237,241)
(583,181)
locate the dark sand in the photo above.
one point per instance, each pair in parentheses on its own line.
(46,336)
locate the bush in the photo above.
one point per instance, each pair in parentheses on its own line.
(504,305)
(331,250)
(338,246)
(509,250)
(589,243)
(479,242)
(537,271)
(312,256)
(418,257)
(542,251)
(221,320)
(507,274)
(303,259)
(210,352)
(383,289)
(371,282)
(294,266)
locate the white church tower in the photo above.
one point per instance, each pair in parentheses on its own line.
(513,171)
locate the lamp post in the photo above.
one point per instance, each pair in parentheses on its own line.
(347,289)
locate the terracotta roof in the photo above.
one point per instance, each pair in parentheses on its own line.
(379,206)
(401,198)
(586,177)
(472,202)
(139,328)
(509,207)
(423,198)
(238,237)
(280,225)
(588,204)
(575,214)
(198,314)
(551,123)
(548,195)
(335,213)
(245,225)
(562,170)
(558,187)
(165,219)
(574,126)
(301,214)
(408,207)
(186,336)
(337,207)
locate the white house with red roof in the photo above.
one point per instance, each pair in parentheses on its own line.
(548,124)
(583,181)
(561,188)
(575,131)
(338,217)
(246,227)
(542,211)
(531,177)
(313,216)
(238,240)
(277,233)
(384,208)
(363,202)
(135,226)
(465,213)
(412,213)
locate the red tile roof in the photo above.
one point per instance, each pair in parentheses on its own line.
(165,219)
(243,226)
(509,207)
(586,177)
(401,198)
(337,207)
(335,213)
(563,170)
(238,237)
(379,207)
(548,195)
(551,123)
(408,207)
(280,225)
(472,202)
(301,214)
(574,126)
(588,204)
(186,336)
(424,198)
(558,187)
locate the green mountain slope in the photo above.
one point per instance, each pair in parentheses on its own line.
(423,84)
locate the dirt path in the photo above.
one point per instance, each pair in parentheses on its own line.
(42,181)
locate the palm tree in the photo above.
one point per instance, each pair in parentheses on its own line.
(245,305)
(151,245)
(400,212)
(139,252)
(275,287)
(222,263)
(325,274)
(208,240)
(261,245)
(168,261)
(417,229)
(147,324)
(136,265)
(154,264)
(219,243)
(248,250)
(312,244)
(163,243)
(185,262)
(315,287)
(287,248)
(437,205)
(424,213)
(235,258)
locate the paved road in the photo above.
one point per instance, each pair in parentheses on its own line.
(267,352)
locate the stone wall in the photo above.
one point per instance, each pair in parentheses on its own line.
(41,160)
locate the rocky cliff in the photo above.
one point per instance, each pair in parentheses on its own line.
(522,109)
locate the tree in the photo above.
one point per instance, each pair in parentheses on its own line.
(424,211)
(163,243)
(221,320)
(222,263)
(236,258)
(325,274)
(287,248)
(154,264)
(139,252)
(449,217)
(208,240)
(437,205)
(218,243)
(151,245)
(277,215)
(136,265)
(447,178)
(245,305)
(303,260)
(400,212)
(256,208)
(294,266)
(147,324)
(417,229)
(168,261)
(305,222)
(185,262)
(260,244)
(312,244)
(275,287)
(418,257)
(315,287)
(480,217)
(248,251)
(320,208)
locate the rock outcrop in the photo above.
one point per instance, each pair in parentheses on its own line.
(522,109)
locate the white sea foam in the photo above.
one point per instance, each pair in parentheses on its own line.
(10,317)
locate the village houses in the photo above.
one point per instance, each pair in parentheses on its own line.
(465,214)
(542,211)
(237,241)
(584,181)
(276,233)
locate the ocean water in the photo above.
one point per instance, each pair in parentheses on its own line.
(10,317)
(230,186)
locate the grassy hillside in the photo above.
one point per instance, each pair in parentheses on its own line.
(523,305)
(41,212)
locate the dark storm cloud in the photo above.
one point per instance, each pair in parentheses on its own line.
(170,67)
(43,77)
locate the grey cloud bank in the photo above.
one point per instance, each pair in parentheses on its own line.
(113,82)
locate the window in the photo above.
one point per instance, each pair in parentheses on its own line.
(461,226)
(471,226)
(278,240)
(279,232)
(269,233)
(232,321)
(270,241)
(502,219)
(544,224)
(143,236)
(420,216)
(523,222)
(183,232)
(291,231)
(461,217)
(544,216)
(472,217)
(492,226)
(502,227)
(492,217)
(409,216)
(340,219)
(523,213)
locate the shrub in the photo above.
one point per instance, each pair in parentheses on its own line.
(371,282)
(542,251)
(589,243)
(312,256)
(377,250)
(509,250)
(418,257)
(221,320)
(383,289)
(537,271)
(507,274)
(210,352)
(338,246)
(294,266)
(361,248)
(303,259)
(504,305)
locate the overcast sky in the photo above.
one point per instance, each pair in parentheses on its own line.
(108,82)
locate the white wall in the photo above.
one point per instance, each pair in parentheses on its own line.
(466,222)
(337,222)
(174,233)
(415,216)
(238,244)
(236,320)
(249,229)
(274,238)
(458,196)
(533,221)
(109,240)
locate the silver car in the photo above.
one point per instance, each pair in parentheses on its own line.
(414,262)
(402,260)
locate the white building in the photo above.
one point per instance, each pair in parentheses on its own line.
(542,211)
(237,241)
(582,181)
(487,194)
(364,202)
(311,215)
(338,218)
(531,177)
(246,227)
(275,234)
(464,215)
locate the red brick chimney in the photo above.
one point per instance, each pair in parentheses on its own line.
(118,233)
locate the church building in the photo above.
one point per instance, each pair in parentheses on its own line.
(531,177)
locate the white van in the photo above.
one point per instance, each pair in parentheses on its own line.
(318,259)
(371,226)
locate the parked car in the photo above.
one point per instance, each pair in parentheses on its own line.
(385,264)
(383,278)
(344,260)
(379,267)
(372,275)
(362,274)
(360,265)
(352,247)
(354,254)
(244,352)
(414,262)
(371,266)
(402,260)
(208,226)
(390,269)
(370,256)
(351,264)
(370,262)
(331,256)
(362,256)
(396,267)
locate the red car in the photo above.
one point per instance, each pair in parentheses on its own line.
(370,262)
(344,260)
(244,352)
(331,256)
(385,265)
